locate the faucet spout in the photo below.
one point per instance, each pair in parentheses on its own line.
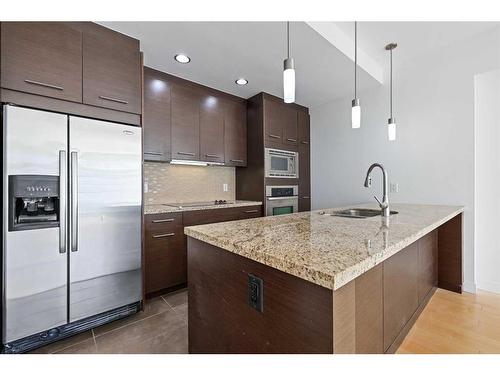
(384,204)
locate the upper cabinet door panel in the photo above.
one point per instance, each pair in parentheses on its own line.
(111,70)
(303,125)
(43,58)
(235,134)
(273,121)
(289,116)
(211,129)
(185,123)
(156,121)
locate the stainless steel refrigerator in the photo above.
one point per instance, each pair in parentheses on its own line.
(72,196)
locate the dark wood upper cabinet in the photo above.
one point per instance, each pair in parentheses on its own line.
(156,122)
(400,291)
(235,134)
(111,69)
(303,124)
(185,107)
(289,118)
(211,129)
(273,121)
(42,58)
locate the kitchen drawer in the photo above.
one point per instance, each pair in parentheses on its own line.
(209,216)
(163,222)
(249,212)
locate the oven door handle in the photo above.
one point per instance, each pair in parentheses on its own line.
(62,201)
(294,197)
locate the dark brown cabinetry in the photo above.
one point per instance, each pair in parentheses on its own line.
(42,58)
(280,124)
(211,129)
(273,121)
(156,122)
(304,162)
(111,70)
(427,264)
(235,134)
(185,123)
(165,243)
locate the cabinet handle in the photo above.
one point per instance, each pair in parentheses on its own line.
(185,153)
(291,140)
(162,221)
(304,142)
(236,161)
(212,156)
(44,84)
(251,211)
(153,153)
(113,99)
(274,136)
(305,197)
(163,235)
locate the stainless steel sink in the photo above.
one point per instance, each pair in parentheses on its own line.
(359,213)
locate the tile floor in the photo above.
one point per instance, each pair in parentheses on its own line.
(160,328)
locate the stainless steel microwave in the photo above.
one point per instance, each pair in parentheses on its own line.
(281,163)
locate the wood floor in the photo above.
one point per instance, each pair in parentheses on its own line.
(450,323)
(454,323)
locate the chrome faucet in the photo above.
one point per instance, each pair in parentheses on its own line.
(384,205)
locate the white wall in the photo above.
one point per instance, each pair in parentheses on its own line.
(487,189)
(433,156)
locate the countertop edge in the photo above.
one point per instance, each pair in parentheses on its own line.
(164,209)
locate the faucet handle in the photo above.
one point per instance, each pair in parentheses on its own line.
(378,201)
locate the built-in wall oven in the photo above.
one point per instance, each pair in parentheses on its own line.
(281,200)
(281,163)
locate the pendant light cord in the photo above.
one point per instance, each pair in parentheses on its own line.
(355,58)
(288,38)
(391,83)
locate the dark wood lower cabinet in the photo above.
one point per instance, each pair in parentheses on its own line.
(371,314)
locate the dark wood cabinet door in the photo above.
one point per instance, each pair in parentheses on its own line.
(211,129)
(304,178)
(290,131)
(427,264)
(303,125)
(273,121)
(235,134)
(156,120)
(42,58)
(185,123)
(400,291)
(111,70)
(249,212)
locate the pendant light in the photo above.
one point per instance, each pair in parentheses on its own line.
(288,72)
(391,123)
(356,108)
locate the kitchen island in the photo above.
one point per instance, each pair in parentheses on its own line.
(316,283)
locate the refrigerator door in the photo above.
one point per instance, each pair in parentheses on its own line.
(105,211)
(34,260)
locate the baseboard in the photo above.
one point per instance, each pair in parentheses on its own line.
(489,286)
(470,287)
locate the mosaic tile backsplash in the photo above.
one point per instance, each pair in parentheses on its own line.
(168,183)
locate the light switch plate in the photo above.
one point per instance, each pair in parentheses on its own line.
(225,187)
(394,187)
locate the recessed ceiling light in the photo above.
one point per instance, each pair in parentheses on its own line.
(241,81)
(183,59)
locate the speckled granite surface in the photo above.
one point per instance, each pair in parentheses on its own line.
(164,208)
(327,250)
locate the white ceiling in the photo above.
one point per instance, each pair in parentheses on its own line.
(224,51)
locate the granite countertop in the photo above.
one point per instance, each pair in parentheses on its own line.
(327,250)
(165,208)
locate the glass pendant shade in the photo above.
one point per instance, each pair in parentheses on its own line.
(289,81)
(391,129)
(355,114)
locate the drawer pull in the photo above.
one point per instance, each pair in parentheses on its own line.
(304,142)
(163,235)
(212,156)
(305,197)
(185,153)
(251,211)
(153,153)
(44,84)
(236,161)
(274,136)
(113,99)
(162,221)
(291,140)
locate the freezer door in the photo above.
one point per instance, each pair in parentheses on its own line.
(34,268)
(105,211)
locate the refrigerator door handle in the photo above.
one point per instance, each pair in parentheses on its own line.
(74,201)
(62,201)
